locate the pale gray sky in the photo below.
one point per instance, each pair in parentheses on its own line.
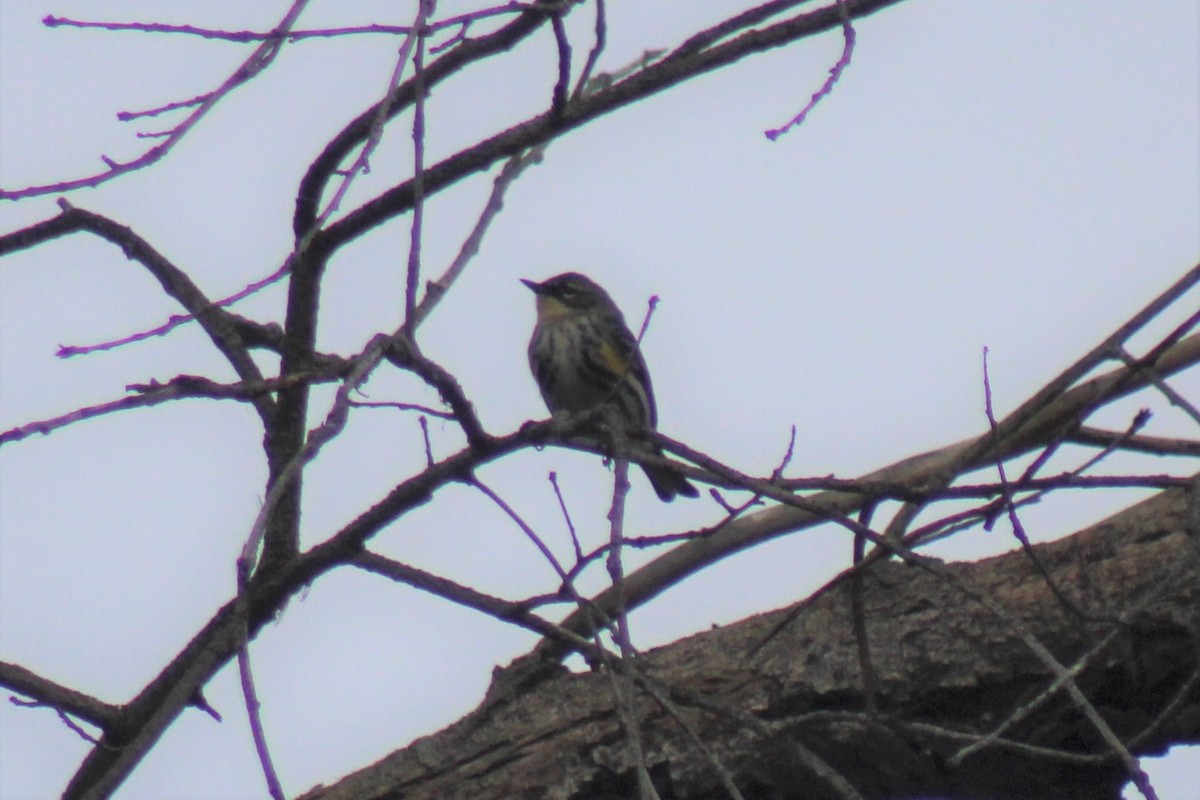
(1017,175)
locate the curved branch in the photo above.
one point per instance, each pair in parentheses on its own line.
(950,678)
(312,185)
(919,474)
(404,354)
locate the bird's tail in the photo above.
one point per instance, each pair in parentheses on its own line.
(668,483)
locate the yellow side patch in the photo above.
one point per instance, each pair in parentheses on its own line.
(611,357)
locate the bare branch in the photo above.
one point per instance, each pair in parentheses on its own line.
(924,473)
(425,410)
(335,422)
(362,162)
(458,21)
(529,532)
(406,355)
(1010,507)
(835,74)
(558,98)
(435,290)
(413,273)
(220,326)
(1177,400)
(128,116)
(252,333)
(259,60)
(540,130)
(250,696)
(154,393)
(360,129)
(53,695)
(505,610)
(584,83)
(1142,444)
(562,505)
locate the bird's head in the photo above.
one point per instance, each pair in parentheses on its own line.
(567,294)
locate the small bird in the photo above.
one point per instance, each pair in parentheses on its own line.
(583,355)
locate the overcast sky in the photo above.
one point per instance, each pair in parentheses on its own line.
(1018,175)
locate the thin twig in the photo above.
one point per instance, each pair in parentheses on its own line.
(562,504)
(182,387)
(1038,701)
(499,608)
(1010,506)
(601,34)
(858,617)
(616,571)
(835,74)
(250,695)
(129,116)
(62,716)
(219,325)
(623,682)
(405,354)
(45,693)
(566,579)
(435,290)
(461,20)
(424,423)
(529,532)
(362,162)
(1176,399)
(413,273)
(1156,445)
(67,351)
(259,60)
(425,410)
(651,305)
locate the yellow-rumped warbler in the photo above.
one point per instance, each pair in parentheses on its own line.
(583,355)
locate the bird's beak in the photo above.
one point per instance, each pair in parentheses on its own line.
(534,286)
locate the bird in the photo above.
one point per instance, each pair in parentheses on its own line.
(583,356)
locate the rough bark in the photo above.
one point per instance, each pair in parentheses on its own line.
(949,671)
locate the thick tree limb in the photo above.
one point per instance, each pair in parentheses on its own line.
(949,673)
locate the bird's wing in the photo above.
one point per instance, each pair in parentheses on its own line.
(619,360)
